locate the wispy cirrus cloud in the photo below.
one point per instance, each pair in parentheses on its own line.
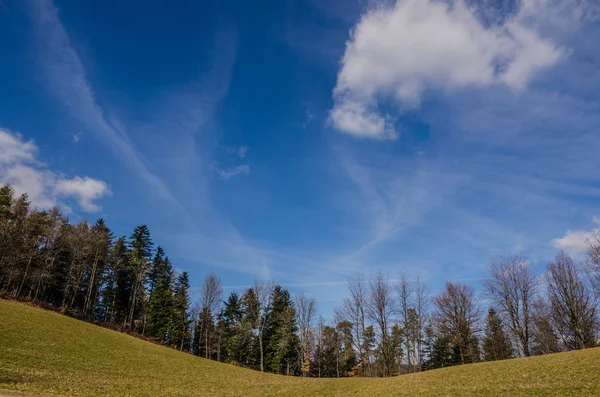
(66,79)
(182,156)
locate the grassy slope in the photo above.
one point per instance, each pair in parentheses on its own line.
(44,352)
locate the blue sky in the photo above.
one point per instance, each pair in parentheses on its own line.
(306,141)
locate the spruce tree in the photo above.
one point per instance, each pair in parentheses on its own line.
(232,329)
(496,345)
(160,305)
(181,320)
(121,280)
(157,262)
(140,245)
(439,350)
(281,334)
(250,354)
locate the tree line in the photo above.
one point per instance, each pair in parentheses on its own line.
(384,327)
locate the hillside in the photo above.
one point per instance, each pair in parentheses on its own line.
(47,353)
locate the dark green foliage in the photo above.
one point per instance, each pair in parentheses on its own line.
(396,339)
(348,356)
(6,199)
(281,353)
(140,248)
(440,351)
(180,332)
(496,345)
(121,278)
(161,311)
(233,332)
(545,339)
(81,269)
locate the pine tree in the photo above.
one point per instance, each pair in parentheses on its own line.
(348,356)
(496,345)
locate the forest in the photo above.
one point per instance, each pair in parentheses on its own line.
(384,327)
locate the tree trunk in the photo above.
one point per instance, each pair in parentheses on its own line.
(88,298)
(260,344)
(25,275)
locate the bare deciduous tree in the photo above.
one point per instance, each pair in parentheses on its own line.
(572,304)
(306,309)
(593,256)
(457,316)
(380,310)
(263,294)
(421,308)
(405,292)
(210,299)
(355,310)
(512,287)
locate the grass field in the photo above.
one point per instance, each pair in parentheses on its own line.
(45,353)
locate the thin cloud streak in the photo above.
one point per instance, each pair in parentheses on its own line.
(66,79)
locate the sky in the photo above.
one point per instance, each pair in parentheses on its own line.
(307,141)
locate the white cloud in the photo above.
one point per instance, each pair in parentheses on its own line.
(403,50)
(34,182)
(576,241)
(19,168)
(14,149)
(85,190)
(229,173)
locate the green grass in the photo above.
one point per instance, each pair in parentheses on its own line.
(46,353)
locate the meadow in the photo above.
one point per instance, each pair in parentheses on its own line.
(45,353)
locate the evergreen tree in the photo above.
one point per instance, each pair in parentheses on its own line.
(281,334)
(120,280)
(544,336)
(161,310)
(100,241)
(232,329)
(329,360)
(155,266)
(140,245)
(181,321)
(6,199)
(396,339)
(496,345)
(439,350)
(250,354)
(346,340)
